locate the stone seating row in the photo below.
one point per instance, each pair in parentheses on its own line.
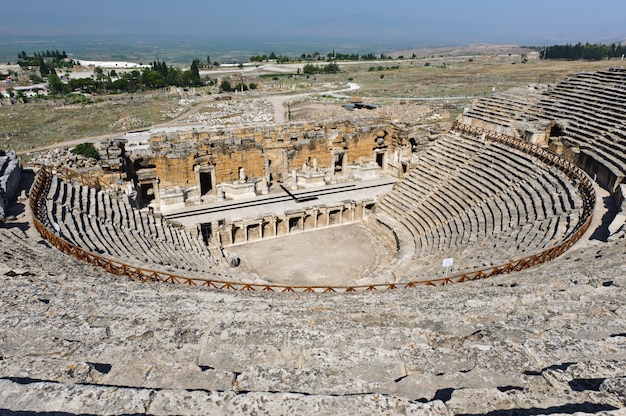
(597,103)
(94,221)
(612,79)
(593,108)
(559,109)
(474,197)
(590,130)
(612,108)
(597,90)
(492,251)
(505,108)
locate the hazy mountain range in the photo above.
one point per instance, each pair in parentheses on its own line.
(144,29)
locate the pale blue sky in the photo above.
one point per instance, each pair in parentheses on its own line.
(405,22)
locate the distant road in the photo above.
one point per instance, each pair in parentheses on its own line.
(73,142)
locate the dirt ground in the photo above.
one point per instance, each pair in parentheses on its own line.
(406,112)
(332,256)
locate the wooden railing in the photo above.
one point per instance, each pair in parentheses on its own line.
(42,223)
(72,175)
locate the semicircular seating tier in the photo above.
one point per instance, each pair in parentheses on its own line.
(480,202)
(110,227)
(469,197)
(582,117)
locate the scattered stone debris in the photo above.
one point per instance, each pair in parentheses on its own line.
(235,112)
(128,123)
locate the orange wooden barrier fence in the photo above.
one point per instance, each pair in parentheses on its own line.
(44,177)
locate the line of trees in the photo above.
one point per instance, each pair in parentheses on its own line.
(161,75)
(226,86)
(587,51)
(316,56)
(158,75)
(310,69)
(47,54)
(272,57)
(46,61)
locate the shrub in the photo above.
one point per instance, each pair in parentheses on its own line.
(225,86)
(87,150)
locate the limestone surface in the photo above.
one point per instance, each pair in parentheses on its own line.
(76,340)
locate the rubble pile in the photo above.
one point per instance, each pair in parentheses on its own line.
(128,123)
(235,112)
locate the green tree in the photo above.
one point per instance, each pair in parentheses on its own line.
(152,79)
(195,72)
(225,86)
(309,69)
(55,84)
(331,68)
(43,68)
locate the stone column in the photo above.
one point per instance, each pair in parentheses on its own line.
(155,189)
(294,180)
(231,233)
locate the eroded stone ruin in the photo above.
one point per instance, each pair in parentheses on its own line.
(10,174)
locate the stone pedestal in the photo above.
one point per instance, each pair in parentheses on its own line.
(264,189)
(310,179)
(367,171)
(171,198)
(239,190)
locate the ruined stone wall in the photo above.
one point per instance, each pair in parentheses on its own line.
(176,171)
(280,148)
(10,175)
